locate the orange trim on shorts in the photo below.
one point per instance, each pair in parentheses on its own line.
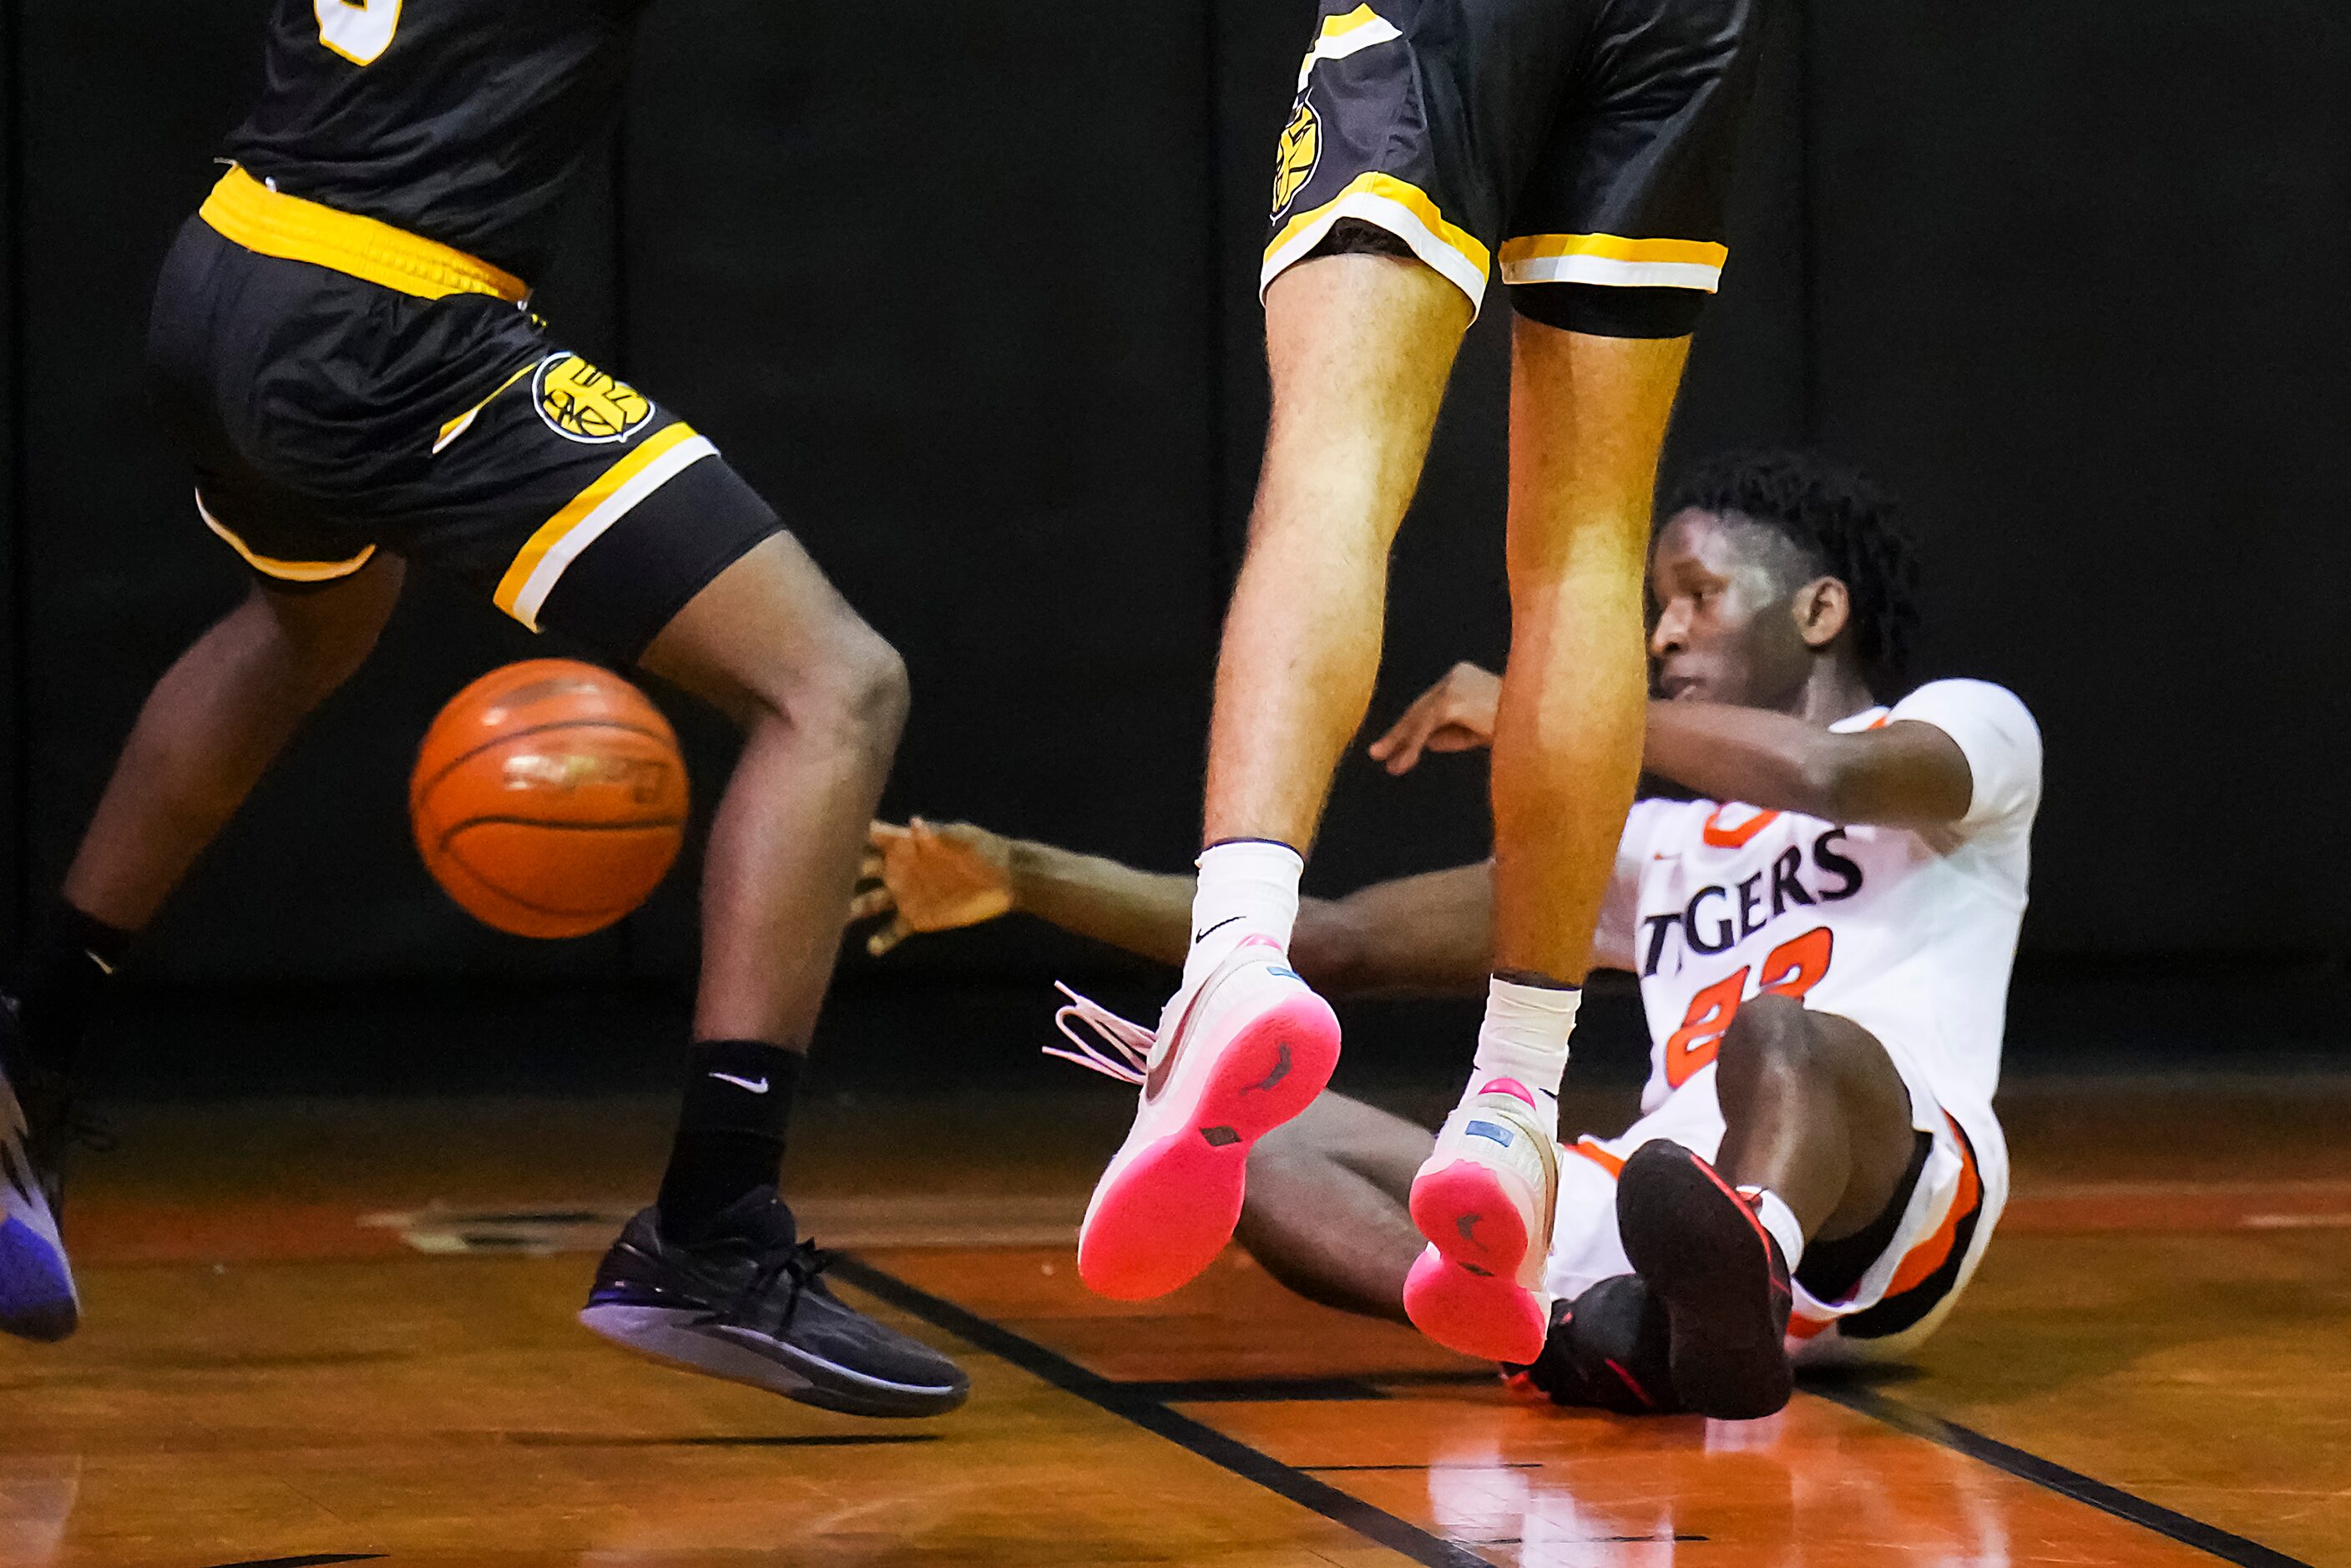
(1921,1261)
(1598,1156)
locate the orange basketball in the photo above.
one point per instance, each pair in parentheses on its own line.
(549,798)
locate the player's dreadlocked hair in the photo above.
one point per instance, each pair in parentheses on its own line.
(1846,527)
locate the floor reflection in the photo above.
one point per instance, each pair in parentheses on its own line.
(38,1493)
(1804,1489)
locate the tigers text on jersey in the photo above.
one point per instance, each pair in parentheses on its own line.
(1910,934)
(461,120)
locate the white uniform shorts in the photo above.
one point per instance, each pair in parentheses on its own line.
(1901,1298)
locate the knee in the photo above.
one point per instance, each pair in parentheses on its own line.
(1771,1036)
(870,686)
(854,693)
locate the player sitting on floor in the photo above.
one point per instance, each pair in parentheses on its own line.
(1823,939)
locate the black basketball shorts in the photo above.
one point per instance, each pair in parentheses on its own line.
(343,386)
(1586,142)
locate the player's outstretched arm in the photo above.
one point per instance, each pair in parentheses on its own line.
(1429,932)
(942,876)
(1905,775)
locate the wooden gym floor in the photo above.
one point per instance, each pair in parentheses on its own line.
(341,1332)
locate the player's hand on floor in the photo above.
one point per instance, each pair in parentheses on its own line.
(1456,714)
(930,877)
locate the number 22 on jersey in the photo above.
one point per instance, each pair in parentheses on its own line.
(358,30)
(1794,968)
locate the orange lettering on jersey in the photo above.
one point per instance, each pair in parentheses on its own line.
(1700,1037)
(1794,968)
(1735,838)
(1797,965)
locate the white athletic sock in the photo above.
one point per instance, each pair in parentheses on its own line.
(1525,1037)
(1247,888)
(1780,1222)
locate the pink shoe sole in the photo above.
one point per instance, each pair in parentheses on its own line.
(1463,1291)
(1477,1315)
(1167,1214)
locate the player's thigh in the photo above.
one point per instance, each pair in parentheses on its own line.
(771,633)
(1932,1243)
(330,628)
(574,502)
(1383,1148)
(321,593)
(1588,418)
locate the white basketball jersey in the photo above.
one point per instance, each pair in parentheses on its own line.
(1910,934)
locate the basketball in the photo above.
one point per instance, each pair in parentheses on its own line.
(548,799)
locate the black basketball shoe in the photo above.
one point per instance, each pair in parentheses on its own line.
(1607,1350)
(747,1302)
(1704,1254)
(38,1299)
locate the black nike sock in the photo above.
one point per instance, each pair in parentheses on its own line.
(57,977)
(730,1131)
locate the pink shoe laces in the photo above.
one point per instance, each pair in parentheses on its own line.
(1122,1049)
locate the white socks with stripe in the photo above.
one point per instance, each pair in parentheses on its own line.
(1780,1222)
(1524,1037)
(1248,887)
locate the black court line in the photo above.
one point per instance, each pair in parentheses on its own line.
(1594,1540)
(307,1562)
(1328,1470)
(1374,1524)
(1268,1390)
(2056,1477)
(1250,1390)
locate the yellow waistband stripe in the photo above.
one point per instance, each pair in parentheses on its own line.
(271,223)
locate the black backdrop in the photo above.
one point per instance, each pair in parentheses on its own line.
(969,292)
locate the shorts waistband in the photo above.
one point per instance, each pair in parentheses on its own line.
(271,223)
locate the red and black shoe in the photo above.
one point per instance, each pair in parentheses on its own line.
(1704,1256)
(1608,1349)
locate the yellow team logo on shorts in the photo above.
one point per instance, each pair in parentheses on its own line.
(580,403)
(1300,155)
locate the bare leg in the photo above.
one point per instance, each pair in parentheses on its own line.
(1325,1213)
(1587,418)
(1815,1111)
(821,698)
(210,728)
(1361,348)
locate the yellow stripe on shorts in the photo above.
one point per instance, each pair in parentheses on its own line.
(283,570)
(271,223)
(1615,261)
(617,492)
(1402,208)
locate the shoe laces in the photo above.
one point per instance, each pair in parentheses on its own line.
(1120,1049)
(802,1264)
